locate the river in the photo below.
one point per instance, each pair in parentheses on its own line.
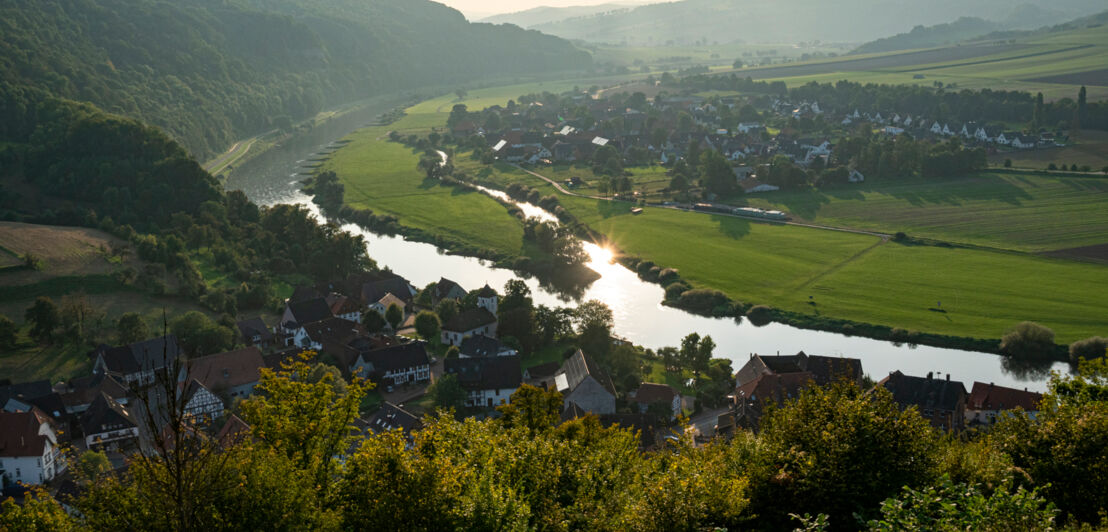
(273,177)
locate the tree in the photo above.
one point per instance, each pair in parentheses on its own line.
(1028,341)
(447,309)
(93,464)
(78,315)
(453,352)
(198,335)
(44,318)
(594,325)
(38,513)
(373,321)
(716,173)
(1088,349)
(428,326)
(703,355)
(536,409)
(950,506)
(446,392)
(838,451)
(461,93)
(8,331)
(394,315)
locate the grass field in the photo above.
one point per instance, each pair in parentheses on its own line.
(860,277)
(1086,148)
(1019,212)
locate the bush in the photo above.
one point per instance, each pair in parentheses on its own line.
(1007,163)
(900,236)
(1028,341)
(702,300)
(675,290)
(760,315)
(1088,349)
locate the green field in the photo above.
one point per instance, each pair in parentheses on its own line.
(1019,212)
(860,277)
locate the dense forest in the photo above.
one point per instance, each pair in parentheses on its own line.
(834,458)
(209,72)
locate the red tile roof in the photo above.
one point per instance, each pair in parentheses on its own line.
(19,433)
(991,397)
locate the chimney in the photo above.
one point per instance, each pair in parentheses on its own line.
(930,374)
(947,377)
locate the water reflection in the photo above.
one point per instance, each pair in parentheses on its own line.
(636,305)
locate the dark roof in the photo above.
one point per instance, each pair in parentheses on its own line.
(372,292)
(823,369)
(396,357)
(768,388)
(105,412)
(304,293)
(580,366)
(24,391)
(233,431)
(274,360)
(309,310)
(51,404)
(992,397)
(19,433)
(925,392)
(333,330)
(480,346)
(229,369)
(255,327)
(494,373)
(649,393)
(344,305)
(391,417)
(469,320)
(444,287)
(486,291)
(543,370)
(84,390)
(139,356)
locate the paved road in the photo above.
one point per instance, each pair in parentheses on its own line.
(563,190)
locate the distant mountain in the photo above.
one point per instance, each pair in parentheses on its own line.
(545,14)
(931,36)
(208,72)
(692,21)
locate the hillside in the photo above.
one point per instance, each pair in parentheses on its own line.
(545,14)
(209,72)
(723,21)
(931,36)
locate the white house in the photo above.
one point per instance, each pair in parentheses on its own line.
(488,381)
(937,128)
(300,313)
(1024,142)
(395,364)
(987,402)
(855,176)
(201,403)
(29,451)
(747,127)
(1006,138)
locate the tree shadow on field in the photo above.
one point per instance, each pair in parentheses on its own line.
(733,227)
(956,191)
(608,209)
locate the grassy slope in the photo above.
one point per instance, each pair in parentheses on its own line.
(1020,212)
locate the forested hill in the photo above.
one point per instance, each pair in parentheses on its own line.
(211,71)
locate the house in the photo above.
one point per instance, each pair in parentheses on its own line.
(382,305)
(231,374)
(1024,142)
(255,333)
(300,313)
(345,307)
(541,375)
(469,323)
(750,185)
(824,370)
(399,287)
(987,401)
(1006,137)
(664,396)
(480,345)
(136,364)
(108,425)
(937,128)
(391,417)
(323,335)
(398,363)
(29,451)
(940,401)
(743,172)
(20,397)
(855,176)
(488,381)
(447,289)
(585,385)
(200,402)
(80,392)
(750,399)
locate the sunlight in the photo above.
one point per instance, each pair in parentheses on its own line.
(598,256)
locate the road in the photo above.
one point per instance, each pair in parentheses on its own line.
(558,186)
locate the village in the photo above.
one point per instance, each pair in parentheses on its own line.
(377,329)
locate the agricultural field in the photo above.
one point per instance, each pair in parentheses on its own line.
(859,277)
(1055,64)
(1030,212)
(1087,148)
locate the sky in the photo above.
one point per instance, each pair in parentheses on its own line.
(476,9)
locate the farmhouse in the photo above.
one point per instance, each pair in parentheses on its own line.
(751,398)
(468,323)
(399,363)
(987,401)
(661,397)
(200,402)
(234,373)
(940,401)
(584,385)
(255,333)
(108,425)
(447,289)
(823,370)
(483,346)
(300,313)
(135,364)
(488,381)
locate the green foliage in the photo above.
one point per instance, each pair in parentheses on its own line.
(1028,341)
(839,451)
(1089,348)
(447,309)
(38,513)
(594,322)
(373,321)
(536,409)
(198,335)
(394,315)
(447,393)
(44,317)
(428,326)
(716,173)
(131,328)
(8,332)
(951,507)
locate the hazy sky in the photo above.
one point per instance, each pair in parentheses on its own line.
(474,9)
